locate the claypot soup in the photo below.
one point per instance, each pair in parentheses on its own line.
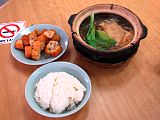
(114,26)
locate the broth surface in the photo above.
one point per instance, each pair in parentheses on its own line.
(113,25)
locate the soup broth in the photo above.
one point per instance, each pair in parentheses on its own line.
(113,25)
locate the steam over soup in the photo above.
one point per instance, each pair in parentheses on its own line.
(106,31)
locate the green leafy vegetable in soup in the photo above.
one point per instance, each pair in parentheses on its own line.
(98,38)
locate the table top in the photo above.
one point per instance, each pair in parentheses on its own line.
(130,91)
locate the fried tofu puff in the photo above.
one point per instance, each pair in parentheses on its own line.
(49,33)
(53,48)
(43,31)
(56,38)
(43,39)
(28,51)
(35,54)
(25,40)
(19,44)
(38,32)
(53,31)
(37,46)
(32,37)
(36,50)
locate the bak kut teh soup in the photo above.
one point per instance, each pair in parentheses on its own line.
(106,31)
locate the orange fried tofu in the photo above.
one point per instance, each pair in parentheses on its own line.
(43,41)
(32,37)
(49,33)
(35,54)
(54,31)
(28,51)
(25,40)
(56,38)
(43,31)
(19,44)
(38,32)
(56,51)
(37,45)
(53,48)
(42,38)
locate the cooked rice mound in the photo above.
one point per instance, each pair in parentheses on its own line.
(59,91)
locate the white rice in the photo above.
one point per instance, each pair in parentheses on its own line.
(59,91)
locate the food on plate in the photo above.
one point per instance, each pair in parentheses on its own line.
(56,38)
(32,37)
(19,44)
(49,33)
(36,42)
(59,91)
(106,34)
(35,54)
(53,48)
(28,51)
(25,40)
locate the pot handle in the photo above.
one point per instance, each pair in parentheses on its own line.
(71,18)
(144,32)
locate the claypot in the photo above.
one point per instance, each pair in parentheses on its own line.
(110,57)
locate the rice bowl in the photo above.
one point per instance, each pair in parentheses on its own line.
(41,72)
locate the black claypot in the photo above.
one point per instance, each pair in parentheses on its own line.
(108,57)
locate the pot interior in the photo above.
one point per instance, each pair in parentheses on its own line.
(108,17)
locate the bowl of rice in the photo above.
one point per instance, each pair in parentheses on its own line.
(58,89)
